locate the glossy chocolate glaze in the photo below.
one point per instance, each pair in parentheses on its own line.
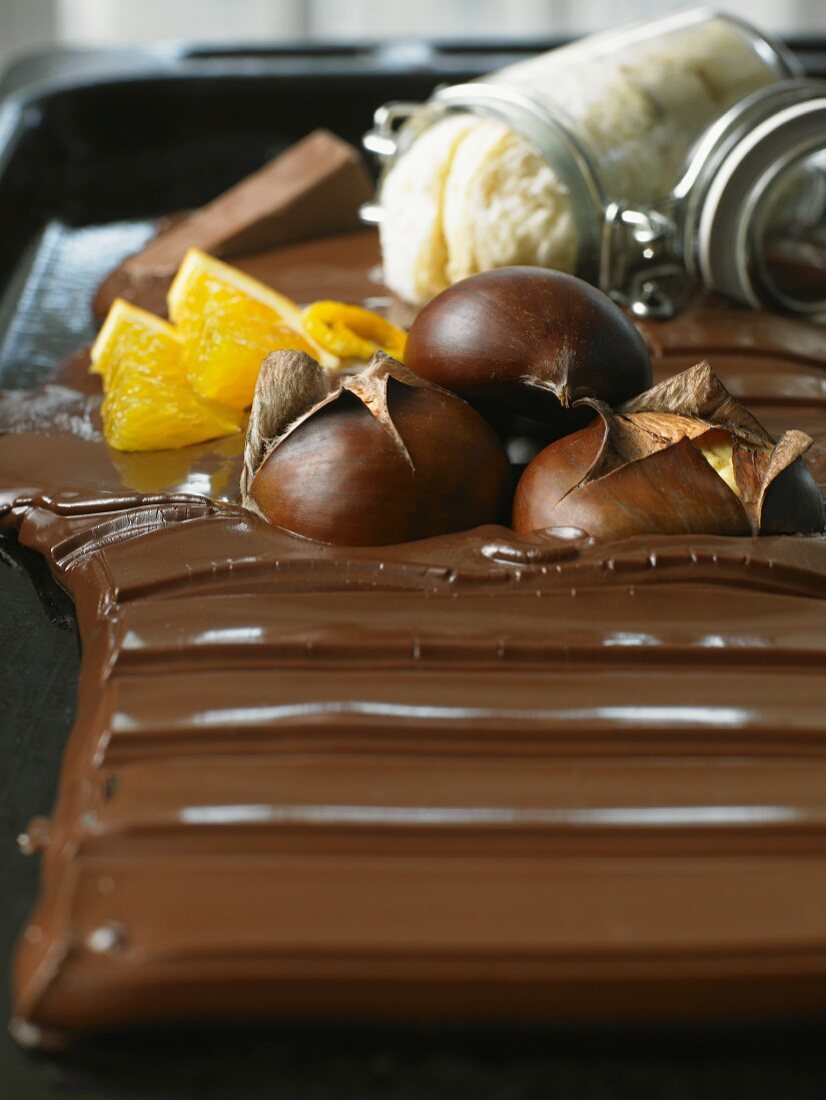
(475,776)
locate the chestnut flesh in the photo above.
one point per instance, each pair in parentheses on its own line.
(532,340)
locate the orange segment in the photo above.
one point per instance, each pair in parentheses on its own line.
(201,279)
(142,412)
(132,338)
(352,332)
(225,352)
(229,322)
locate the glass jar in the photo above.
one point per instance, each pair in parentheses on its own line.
(683,149)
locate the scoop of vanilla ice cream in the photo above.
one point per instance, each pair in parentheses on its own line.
(412,239)
(503,204)
(471,194)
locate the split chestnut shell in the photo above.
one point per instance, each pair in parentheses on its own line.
(385,458)
(683,458)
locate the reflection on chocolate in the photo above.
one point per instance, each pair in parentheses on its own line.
(481,775)
(798,272)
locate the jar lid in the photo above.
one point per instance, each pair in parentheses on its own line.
(727,208)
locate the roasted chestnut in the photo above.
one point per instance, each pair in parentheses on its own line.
(386,457)
(533,340)
(683,458)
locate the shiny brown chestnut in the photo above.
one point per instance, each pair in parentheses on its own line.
(684,458)
(532,340)
(386,457)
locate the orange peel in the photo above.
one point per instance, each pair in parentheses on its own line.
(351,332)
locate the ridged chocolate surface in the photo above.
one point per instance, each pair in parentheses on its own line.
(479,776)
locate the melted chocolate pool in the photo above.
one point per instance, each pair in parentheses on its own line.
(479,776)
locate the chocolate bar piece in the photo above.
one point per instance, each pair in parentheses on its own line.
(312,189)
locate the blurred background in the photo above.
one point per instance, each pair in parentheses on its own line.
(27,25)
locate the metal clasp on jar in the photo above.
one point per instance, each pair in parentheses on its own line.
(642,266)
(383,141)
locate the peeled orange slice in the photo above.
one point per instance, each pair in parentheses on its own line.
(142,412)
(229,322)
(138,340)
(149,404)
(352,332)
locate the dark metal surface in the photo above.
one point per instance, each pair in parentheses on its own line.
(93,146)
(437,61)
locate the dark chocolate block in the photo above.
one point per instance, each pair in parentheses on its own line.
(313,189)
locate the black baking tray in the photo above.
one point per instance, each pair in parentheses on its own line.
(94,146)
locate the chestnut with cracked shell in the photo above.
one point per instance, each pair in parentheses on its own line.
(532,340)
(386,457)
(683,458)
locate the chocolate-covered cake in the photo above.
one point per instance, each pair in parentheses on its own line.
(481,775)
